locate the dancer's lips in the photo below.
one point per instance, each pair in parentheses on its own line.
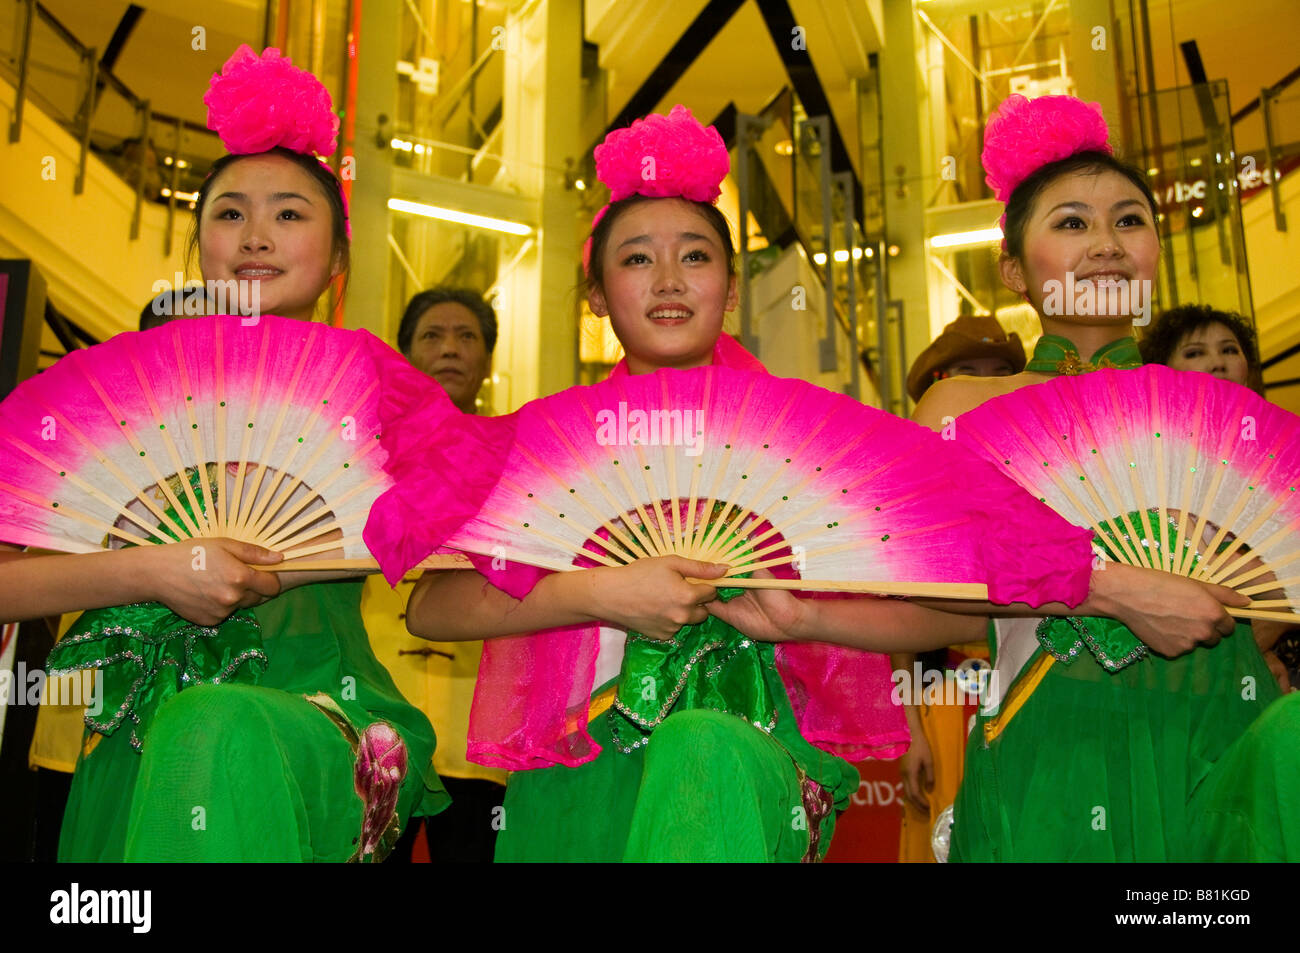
(1104,276)
(257,269)
(670,314)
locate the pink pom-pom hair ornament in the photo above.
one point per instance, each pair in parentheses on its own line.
(1023,135)
(258,103)
(671,156)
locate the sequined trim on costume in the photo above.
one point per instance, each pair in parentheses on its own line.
(126,710)
(1100,652)
(650,723)
(644,740)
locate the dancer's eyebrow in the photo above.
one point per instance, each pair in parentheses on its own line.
(275,196)
(1085,207)
(683,236)
(1076,206)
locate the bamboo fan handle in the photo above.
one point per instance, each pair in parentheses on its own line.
(928,590)
(450,561)
(1249,613)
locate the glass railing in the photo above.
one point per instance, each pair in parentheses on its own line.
(1267,133)
(451,82)
(1192,168)
(795,204)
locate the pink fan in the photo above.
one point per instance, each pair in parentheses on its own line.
(208,427)
(754,471)
(1177,471)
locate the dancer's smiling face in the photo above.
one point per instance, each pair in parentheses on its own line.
(1091,225)
(267,221)
(664,284)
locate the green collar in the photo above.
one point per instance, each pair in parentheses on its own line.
(1057,355)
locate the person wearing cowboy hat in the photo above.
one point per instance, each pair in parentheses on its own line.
(974,346)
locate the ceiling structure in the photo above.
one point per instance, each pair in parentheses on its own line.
(740,64)
(708,54)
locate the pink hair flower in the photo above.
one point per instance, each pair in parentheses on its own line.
(662,157)
(259,102)
(1023,135)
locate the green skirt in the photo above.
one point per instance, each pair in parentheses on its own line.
(1165,760)
(707,787)
(244,772)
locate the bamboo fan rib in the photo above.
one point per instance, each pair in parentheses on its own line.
(731,466)
(1180,471)
(266,433)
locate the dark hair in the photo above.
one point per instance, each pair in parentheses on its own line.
(1161,339)
(1088,163)
(159,311)
(600,235)
(341,245)
(442,294)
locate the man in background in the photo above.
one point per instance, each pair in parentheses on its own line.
(448,333)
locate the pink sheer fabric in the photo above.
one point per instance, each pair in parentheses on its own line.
(427,437)
(533,692)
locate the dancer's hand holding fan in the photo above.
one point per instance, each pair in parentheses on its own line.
(1173,471)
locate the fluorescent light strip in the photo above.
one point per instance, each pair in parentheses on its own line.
(981,236)
(460,218)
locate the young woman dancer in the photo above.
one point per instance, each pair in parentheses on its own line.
(1178,756)
(708,785)
(711,786)
(318,758)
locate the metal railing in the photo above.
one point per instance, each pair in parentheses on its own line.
(821,219)
(88,83)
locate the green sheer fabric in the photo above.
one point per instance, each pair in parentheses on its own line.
(145,654)
(1159,760)
(254,772)
(706,666)
(702,785)
(1166,760)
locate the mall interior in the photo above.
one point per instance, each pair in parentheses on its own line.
(854,129)
(467,129)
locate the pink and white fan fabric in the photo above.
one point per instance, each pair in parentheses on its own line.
(840,495)
(266,432)
(1209,462)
